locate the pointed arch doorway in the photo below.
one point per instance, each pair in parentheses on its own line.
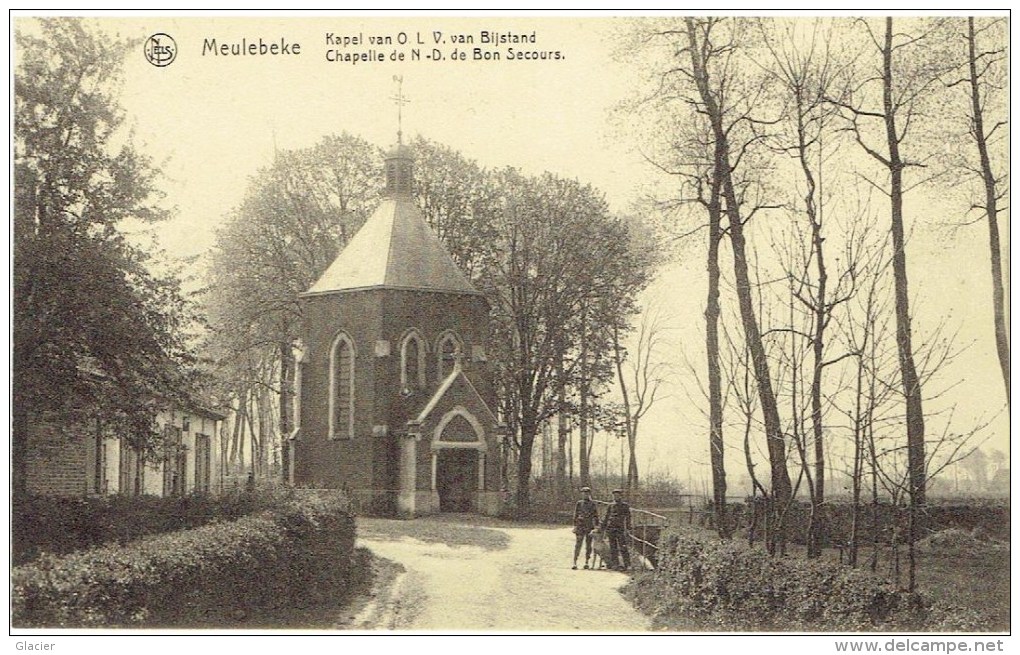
(456,472)
(458,461)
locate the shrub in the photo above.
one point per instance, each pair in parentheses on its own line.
(234,569)
(991,515)
(63,525)
(725,585)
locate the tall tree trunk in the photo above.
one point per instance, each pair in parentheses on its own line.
(582,427)
(800,440)
(265,431)
(562,436)
(821,317)
(780,476)
(236,450)
(252,437)
(991,209)
(908,370)
(869,428)
(715,400)
(627,417)
(570,455)
(529,428)
(817,484)
(632,465)
(858,463)
(286,406)
(561,432)
(756,485)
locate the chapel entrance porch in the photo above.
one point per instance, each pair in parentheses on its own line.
(457,479)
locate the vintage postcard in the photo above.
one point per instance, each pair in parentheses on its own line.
(512,324)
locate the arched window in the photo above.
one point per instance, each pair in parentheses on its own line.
(341,388)
(412,361)
(449,349)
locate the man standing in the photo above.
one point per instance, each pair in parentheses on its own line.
(586,517)
(617,527)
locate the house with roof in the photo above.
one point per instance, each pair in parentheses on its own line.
(394,396)
(87,459)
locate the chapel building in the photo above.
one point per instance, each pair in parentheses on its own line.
(395,400)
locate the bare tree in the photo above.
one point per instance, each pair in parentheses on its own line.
(805,68)
(640,379)
(864,329)
(690,157)
(986,81)
(730,108)
(892,95)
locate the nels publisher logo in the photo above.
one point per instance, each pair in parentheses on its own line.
(160,49)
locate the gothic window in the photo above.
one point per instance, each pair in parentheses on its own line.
(449,349)
(412,361)
(341,388)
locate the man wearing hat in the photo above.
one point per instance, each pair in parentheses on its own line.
(617,526)
(586,517)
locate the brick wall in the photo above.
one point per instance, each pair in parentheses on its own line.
(318,461)
(57,460)
(370,460)
(62,459)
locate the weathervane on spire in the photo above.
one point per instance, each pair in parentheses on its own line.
(400,99)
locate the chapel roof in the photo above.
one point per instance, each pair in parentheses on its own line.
(394,249)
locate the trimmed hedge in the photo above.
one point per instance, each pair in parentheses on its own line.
(212,574)
(726,586)
(992,516)
(58,526)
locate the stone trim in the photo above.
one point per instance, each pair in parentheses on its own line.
(437,434)
(444,336)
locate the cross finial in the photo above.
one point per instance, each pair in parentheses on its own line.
(400,99)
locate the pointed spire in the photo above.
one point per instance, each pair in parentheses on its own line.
(399,162)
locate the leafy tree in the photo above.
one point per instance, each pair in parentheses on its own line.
(457,202)
(96,334)
(557,252)
(296,215)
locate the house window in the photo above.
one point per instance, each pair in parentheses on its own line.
(132,471)
(99,480)
(174,462)
(341,388)
(186,423)
(449,350)
(412,361)
(203,462)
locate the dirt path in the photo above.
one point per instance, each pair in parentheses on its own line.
(469,574)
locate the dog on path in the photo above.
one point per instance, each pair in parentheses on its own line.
(600,549)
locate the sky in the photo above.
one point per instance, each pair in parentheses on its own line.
(210,121)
